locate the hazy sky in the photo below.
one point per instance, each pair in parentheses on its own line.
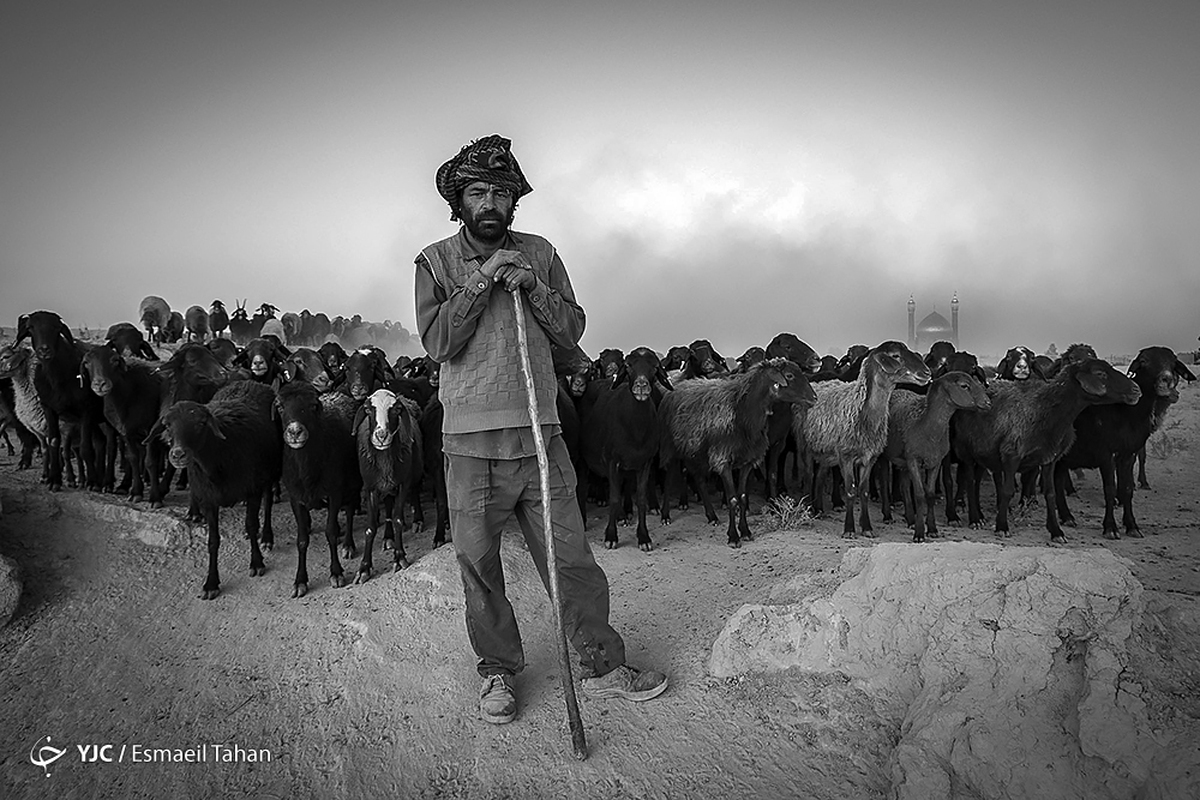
(706,169)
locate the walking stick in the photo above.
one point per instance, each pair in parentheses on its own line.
(564,656)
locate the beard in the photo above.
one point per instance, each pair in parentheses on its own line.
(488,227)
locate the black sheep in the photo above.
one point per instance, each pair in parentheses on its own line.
(1031,424)
(231,449)
(390,460)
(132,391)
(1108,437)
(320,465)
(620,436)
(128,339)
(64,395)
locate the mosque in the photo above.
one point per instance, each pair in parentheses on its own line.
(932,328)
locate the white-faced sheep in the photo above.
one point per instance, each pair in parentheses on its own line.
(847,425)
(390,460)
(721,426)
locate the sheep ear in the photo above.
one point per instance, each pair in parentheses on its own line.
(1037,369)
(65,332)
(1092,383)
(980,374)
(241,360)
(1182,371)
(22,328)
(215,428)
(283,351)
(359,416)
(660,375)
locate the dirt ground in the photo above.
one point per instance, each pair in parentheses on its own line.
(370,690)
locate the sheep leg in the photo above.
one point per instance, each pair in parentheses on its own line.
(1060,497)
(970,478)
(1124,470)
(303,529)
(864,487)
(949,492)
(915,481)
(931,484)
(700,476)
(390,503)
(669,486)
(418,511)
(1143,483)
(367,565)
(337,578)
(743,502)
(348,550)
(1109,479)
(643,486)
(268,532)
(1005,481)
(735,540)
(849,493)
(212,584)
(1056,532)
(253,503)
(54,451)
(614,503)
(885,489)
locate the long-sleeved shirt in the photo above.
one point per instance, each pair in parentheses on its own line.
(446,321)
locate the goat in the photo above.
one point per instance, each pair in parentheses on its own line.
(264,357)
(721,425)
(918,440)
(305,364)
(231,449)
(390,461)
(1031,424)
(1109,437)
(847,425)
(320,463)
(620,435)
(240,328)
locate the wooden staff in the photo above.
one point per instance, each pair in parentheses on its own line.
(578,741)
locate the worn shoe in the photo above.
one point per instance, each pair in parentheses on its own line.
(497,704)
(626,682)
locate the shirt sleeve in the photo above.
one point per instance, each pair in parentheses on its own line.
(555,309)
(447,322)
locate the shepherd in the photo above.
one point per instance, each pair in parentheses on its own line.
(469,327)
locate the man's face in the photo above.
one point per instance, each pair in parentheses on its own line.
(487,211)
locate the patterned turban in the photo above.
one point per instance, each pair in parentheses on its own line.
(490,160)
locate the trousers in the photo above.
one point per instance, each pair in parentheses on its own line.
(482,494)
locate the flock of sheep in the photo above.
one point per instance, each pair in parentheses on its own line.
(251,418)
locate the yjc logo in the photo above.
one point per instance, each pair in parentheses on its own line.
(43,755)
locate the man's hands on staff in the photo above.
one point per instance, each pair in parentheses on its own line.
(510,269)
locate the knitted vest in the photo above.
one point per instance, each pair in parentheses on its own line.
(482,387)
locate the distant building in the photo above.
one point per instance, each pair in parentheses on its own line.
(933,327)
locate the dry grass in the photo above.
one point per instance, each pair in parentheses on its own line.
(1168,440)
(786,514)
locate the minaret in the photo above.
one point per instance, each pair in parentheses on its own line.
(912,323)
(954,318)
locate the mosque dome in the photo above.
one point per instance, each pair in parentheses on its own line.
(934,325)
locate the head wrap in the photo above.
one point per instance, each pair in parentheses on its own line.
(489,159)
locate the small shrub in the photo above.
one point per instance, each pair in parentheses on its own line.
(786,514)
(1168,440)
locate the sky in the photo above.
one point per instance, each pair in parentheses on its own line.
(705,169)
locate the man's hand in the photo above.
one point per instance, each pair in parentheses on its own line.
(510,269)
